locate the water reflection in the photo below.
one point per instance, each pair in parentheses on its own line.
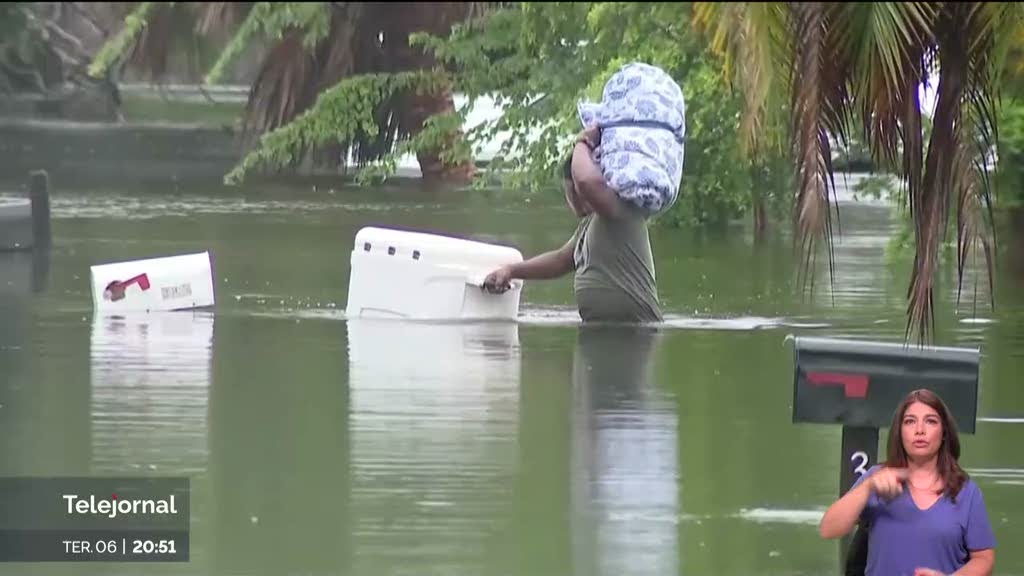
(44,427)
(434,417)
(15,394)
(465,449)
(860,243)
(150,382)
(625,468)
(275,498)
(24,273)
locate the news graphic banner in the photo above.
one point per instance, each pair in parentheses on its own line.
(68,519)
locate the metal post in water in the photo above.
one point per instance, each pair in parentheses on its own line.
(39,195)
(859,453)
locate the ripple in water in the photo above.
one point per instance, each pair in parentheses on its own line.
(781,516)
(143,208)
(150,382)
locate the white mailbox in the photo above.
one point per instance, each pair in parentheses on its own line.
(157,284)
(415,275)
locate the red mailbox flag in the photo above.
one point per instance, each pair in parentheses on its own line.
(116,289)
(854,385)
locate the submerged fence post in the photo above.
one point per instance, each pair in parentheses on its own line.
(39,195)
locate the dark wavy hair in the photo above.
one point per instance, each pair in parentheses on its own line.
(953,476)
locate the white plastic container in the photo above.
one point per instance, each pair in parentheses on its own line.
(420,276)
(157,284)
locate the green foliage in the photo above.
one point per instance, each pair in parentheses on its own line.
(901,246)
(1010,169)
(529,61)
(345,113)
(716,179)
(535,62)
(440,132)
(118,46)
(271,20)
(875,186)
(539,60)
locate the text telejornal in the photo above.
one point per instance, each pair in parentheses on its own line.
(112,507)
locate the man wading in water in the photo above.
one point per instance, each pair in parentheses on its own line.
(610,251)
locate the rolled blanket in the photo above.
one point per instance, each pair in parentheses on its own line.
(642,117)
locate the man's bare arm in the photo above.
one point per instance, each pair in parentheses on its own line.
(590,182)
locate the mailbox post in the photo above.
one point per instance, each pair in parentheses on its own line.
(858,385)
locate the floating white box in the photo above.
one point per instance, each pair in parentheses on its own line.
(415,275)
(156,284)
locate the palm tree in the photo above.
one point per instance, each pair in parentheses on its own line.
(858,67)
(313,47)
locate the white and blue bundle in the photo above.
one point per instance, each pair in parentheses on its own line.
(642,117)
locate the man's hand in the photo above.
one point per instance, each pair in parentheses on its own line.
(888,482)
(499,281)
(927,572)
(591,136)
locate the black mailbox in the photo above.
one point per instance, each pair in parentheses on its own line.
(856,383)
(859,385)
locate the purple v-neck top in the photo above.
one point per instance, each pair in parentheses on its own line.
(903,537)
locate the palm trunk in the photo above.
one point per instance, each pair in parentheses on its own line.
(414,110)
(760,219)
(757,201)
(1016,244)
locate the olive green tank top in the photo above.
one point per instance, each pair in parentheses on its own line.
(615,278)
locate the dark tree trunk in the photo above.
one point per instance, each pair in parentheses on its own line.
(757,199)
(414,109)
(43,68)
(1015,251)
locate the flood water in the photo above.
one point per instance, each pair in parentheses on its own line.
(320,446)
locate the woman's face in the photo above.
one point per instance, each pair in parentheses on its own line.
(921,431)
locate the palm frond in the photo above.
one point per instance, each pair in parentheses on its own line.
(931,201)
(968,37)
(751,39)
(887,41)
(974,214)
(812,150)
